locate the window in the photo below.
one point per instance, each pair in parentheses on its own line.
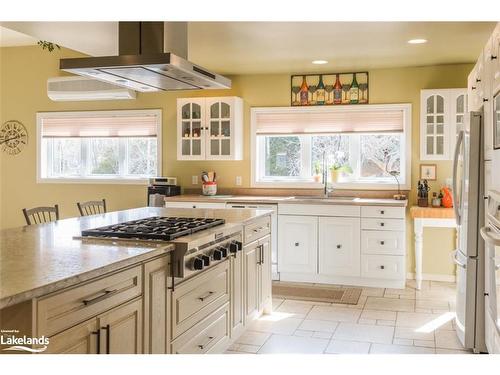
(291,146)
(99,146)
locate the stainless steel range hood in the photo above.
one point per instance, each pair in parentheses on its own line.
(146,61)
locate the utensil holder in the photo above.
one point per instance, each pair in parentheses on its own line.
(209,188)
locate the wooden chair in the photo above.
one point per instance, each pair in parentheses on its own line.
(39,215)
(92,207)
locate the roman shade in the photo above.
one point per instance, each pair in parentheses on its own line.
(328,121)
(102,124)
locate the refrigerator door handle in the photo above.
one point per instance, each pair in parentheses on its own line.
(455,173)
(489,236)
(456,261)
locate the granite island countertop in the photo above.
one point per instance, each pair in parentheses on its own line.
(39,259)
(256,199)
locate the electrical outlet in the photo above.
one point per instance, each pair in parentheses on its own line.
(238,180)
(194,180)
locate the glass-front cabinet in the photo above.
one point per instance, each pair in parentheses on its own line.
(442,114)
(190,129)
(210,128)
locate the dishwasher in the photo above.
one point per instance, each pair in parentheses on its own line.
(274,231)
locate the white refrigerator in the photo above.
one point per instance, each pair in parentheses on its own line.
(468,196)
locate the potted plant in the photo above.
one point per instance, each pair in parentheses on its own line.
(336,169)
(317,171)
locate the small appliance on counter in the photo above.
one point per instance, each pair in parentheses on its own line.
(161,187)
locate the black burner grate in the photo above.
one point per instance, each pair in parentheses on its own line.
(154,228)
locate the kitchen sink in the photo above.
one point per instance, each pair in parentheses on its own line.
(319,197)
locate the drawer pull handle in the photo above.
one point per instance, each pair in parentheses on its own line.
(382,267)
(297,244)
(106,294)
(258,229)
(382,224)
(339,246)
(382,242)
(210,339)
(382,212)
(203,298)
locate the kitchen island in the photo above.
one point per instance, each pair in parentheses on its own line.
(54,283)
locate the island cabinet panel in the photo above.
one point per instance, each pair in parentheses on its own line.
(258,284)
(197,297)
(157,301)
(251,262)
(64,309)
(237,294)
(265,275)
(339,250)
(121,329)
(257,229)
(81,339)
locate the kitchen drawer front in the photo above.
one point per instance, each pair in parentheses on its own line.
(385,243)
(257,229)
(169,204)
(196,298)
(382,224)
(211,335)
(383,212)
(64,309)
(383,266)
(319,210)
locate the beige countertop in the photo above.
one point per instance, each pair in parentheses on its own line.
(431,213)
(287,200)
(39,259)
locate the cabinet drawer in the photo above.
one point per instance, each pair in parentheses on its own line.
(378,242)
(257,229)
(196,298)
(208,336)
(381,211)
(319,210)
(383,266)
(382,224)
(65,309)
(169,204)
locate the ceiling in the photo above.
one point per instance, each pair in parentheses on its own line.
(11,38)
(284,47)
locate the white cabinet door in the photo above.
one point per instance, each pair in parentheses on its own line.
(495,62)
(190,129)
(475,85)
(458,104)
(339,246)
(434,125)
(297,244)
(222,115)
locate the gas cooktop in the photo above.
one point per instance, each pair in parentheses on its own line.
(154,228)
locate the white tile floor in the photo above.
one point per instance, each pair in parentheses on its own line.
(385,321)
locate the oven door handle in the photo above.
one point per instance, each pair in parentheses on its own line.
(456,261)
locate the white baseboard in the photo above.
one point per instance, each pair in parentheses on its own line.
(433,277)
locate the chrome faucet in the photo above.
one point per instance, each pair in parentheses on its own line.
(325,176)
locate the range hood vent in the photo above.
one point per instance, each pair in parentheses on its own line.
(152,57)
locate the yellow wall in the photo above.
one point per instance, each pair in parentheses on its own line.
(24,71)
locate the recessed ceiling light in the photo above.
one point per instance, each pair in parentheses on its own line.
(417,41)
(320,62)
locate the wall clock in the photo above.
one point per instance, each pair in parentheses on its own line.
(13,137)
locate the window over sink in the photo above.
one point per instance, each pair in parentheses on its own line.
(99,146)
(291,146)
